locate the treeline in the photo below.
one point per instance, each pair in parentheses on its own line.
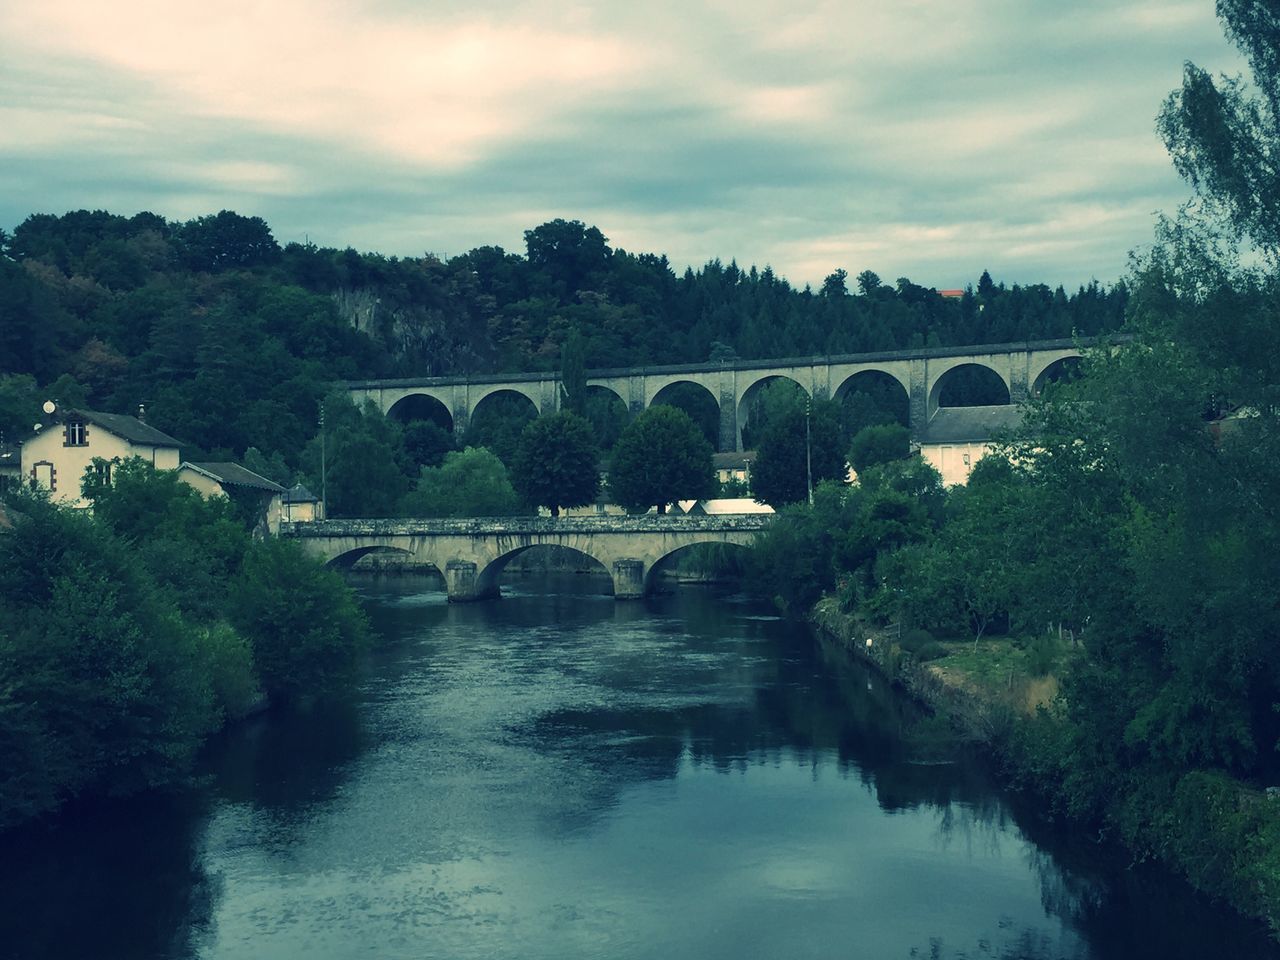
(1128,540)
(229,340)
(129,635)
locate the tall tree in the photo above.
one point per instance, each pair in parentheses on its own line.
(555,462)
(661,457)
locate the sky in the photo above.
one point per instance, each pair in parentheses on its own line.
(930,139)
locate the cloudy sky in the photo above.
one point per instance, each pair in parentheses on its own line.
(919,138)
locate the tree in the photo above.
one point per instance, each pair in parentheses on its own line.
(101,686)
(306,629)
(785,460)
(363,470)
(661,457)
(469,483)
(1224,139)
(878,444)
(227,240)
(555,462)
(573,374)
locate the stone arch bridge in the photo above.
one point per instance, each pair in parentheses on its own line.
(922,375)
(472,553)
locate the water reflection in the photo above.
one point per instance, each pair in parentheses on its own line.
(115,880)
(566,776)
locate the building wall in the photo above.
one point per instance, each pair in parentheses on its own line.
(207,486)
(955,461)
(305,512)
(70,463)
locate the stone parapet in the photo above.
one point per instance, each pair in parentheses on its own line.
(525,526)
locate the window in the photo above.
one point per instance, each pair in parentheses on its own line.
(102,468)
(43,475)
(75,434)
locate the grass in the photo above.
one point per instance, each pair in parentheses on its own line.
(1004,670)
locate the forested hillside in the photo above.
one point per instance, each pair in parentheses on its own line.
(229,339)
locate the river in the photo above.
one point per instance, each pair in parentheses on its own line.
(556,775)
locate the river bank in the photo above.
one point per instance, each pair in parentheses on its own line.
(1221,835)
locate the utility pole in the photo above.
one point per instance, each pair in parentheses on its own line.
(324,473)
(808,448)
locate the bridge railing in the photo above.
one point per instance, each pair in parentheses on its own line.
(489,526)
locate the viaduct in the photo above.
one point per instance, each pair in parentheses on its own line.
(922,375)
(472,553)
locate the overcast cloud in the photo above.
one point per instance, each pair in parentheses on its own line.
(921,138)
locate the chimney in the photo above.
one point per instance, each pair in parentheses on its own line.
(142,413)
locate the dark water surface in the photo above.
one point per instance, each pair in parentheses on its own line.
(563,776)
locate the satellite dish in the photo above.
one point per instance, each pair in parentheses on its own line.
(49,406)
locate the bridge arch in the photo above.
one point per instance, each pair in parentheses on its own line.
(969,384)
(347,559)
(497,420)
(422,406)
(489,578)
(1064,368)
(751,413)
(528,391)
(728,552)
(873,396)
(695,399)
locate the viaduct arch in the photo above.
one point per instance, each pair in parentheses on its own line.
(1021,367)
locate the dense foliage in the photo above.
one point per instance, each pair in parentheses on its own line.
(230,340)
(1138,518)
(128,636)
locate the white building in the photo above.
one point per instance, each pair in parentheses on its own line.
(56,458)
(958,437)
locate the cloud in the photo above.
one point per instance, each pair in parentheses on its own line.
(922,139)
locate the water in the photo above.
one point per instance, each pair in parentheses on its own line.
(563,776)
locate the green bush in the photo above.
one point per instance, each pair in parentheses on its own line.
(304,624)
(229,657)
(1042,655)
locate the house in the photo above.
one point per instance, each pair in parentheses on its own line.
(958,437)
(734,466)
(260,497)
(299,503)
(56,458)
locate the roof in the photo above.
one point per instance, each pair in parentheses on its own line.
(126,427)
(235,475)
(724,506)
(299,494)
(969,424)
(951,294)
(733,459)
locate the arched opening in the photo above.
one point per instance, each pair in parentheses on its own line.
(607,413)
(698,402)
(767,399)
(424,407)
(1064,370)
(969,385)
(869,398)
(497,420)
(381,560)
(698,563)
(546,569)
